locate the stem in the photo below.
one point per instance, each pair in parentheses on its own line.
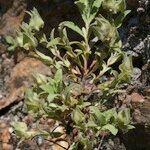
(87,47)
(87,37)
(85,64)
(102,72)
(91,68)
(100,144)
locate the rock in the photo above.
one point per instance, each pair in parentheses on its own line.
(136,74)
(12,19)
(132,3)
(21,78)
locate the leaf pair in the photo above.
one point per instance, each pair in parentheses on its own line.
(22,130)
(88,9)
(114,6)
(110,120)
(26,35)
(105,31)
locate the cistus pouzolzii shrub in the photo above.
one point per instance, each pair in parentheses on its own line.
(81,68)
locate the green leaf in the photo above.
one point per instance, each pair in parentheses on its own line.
(32,101)
(58,76)
(25,36)
(29,41)
(100,118)
(9,39)
(119,19)
(40,78)
(12,42)
(36,21)
(95,8)
(77,116)
(83,104)
(48,88)
(74,146)
(72,26)
(83,6)
(123,120)
(87,144)
(21,130)
(124,116)
(43,39)
(47,59)
(110,128)
(113,58)
(130,127)
(52,34)
(121,5)
(104,30)
(114,6)
(105,68)
(26,39)
(88,9)
(63,35)
(67,63)
(110,116)
(126,69)
(53,105)
(51,97)
(63,108)
(53,42)
(73,87)
(91,124)
(19,39)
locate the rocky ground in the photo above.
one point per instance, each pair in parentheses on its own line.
(15,74)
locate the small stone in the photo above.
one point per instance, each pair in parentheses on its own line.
(137,98)
(63,145)
(39,140)
(136,73)
(11,130)
(1,96)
